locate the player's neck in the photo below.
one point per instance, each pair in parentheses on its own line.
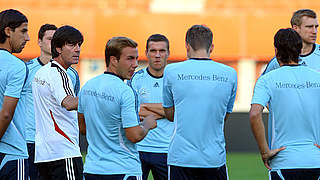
(199,54)
(61,62)
(6,46)
(45,58)
(288,64)
(155,73)
(306,49)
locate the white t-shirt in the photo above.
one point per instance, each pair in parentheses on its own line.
(57,131)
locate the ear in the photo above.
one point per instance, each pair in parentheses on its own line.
(39,42)
(211,48)
(295,27)
(7,31)
(59,50)
(113,60)
(187,46)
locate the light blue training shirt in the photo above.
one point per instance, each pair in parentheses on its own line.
(202,92)
(293,95)
(109,106)
(13,73)
(149,90)
(311,60)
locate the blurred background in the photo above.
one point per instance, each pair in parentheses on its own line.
(243,37)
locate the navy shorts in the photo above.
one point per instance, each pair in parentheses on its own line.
(88,176)
(156,162)
(14,170)
(33,170)
(63,169)
(187,173)
(295,174)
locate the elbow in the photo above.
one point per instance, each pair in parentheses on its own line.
(170,118)
(135,139)
(253,116)
(7,116)
(82,131)
(70,108)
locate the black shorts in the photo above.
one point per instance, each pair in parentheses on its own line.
(295,174)
(187,173)
(14,170)
(33,170)
(156,162)
(88,176)
(63,169)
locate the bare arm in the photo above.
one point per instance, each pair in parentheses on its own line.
(258,131)
(70,103)
(137,133)
(169,113)
(155,109)
(81,123)
(6,113)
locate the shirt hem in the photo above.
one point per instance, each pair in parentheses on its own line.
(56,159)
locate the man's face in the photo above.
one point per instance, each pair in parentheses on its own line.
(308,29)
(19,37)
(45,42)
(157,54)
(70,53)
(127,62)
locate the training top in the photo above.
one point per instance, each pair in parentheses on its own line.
(202,92)
(149,90)
(311,60)
(33,66)
(109,106)
(57,131)
(293,95)
(13,74)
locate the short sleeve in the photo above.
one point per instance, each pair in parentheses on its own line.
(167,90)
(233,93)
(261,93)
(16,79)
(128,110)
(272,65)
(61,85)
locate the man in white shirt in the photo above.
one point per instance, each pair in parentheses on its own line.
(57,151)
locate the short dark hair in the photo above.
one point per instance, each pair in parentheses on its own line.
(199,37)
(115,45)
(10,18)
(44,28)
(157,38)
(297,16)
(65,35)
(289,44)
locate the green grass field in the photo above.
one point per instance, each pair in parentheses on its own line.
(244,166)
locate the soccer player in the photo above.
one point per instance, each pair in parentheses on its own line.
(147,82)
(44,41)
(293,94)
(305,22)
(198,95)
(13,72)
(57,151)
(108,116)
